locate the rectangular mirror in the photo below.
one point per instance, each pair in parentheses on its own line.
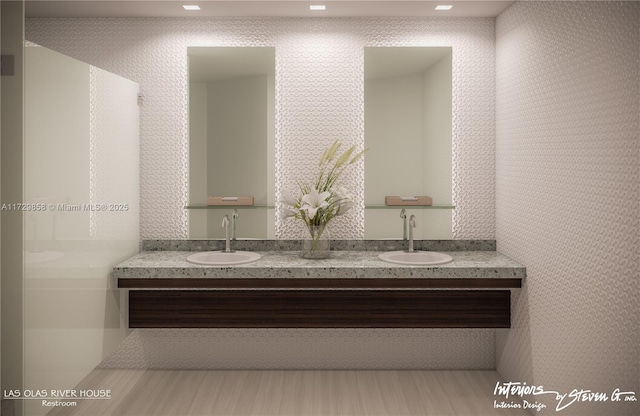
(231,139)
(408,131)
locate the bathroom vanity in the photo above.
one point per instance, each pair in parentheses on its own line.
(352,289)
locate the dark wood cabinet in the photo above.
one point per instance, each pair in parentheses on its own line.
(313,308)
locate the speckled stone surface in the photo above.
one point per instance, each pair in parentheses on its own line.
(338,245)
(342,264)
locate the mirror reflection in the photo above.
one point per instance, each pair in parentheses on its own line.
(408,131)
(231,139)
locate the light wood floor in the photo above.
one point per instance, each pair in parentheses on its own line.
(295,393)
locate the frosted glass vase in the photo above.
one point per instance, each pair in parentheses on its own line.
(316,244)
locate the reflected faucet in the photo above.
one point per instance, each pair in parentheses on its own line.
(225,225)
(234,217)
(403,215)
(412,225)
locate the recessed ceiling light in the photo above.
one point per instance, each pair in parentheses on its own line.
(317,7)
(191,7)
(444,7)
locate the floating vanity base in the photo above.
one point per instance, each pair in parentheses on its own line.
(319,309)
(352,289)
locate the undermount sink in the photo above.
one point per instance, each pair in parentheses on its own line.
(415,258)
(222,258)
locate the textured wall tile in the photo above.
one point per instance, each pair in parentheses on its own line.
(113,157)
(321,70)
(319,98)
(568,117)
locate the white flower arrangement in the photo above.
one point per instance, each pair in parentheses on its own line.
(320,202)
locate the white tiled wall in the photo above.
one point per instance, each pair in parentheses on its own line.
(113,157)
(319,98)
(568,122)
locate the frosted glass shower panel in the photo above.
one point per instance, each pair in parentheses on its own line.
(81,170)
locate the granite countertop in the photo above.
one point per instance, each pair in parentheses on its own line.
(342,264)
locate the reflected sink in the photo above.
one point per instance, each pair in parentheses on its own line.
(415,258)
(221,258)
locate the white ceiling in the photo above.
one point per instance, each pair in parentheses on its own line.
(284,8)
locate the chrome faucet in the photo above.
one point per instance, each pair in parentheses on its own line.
(234,217)
(412,225)
(225,225)
(403,215)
